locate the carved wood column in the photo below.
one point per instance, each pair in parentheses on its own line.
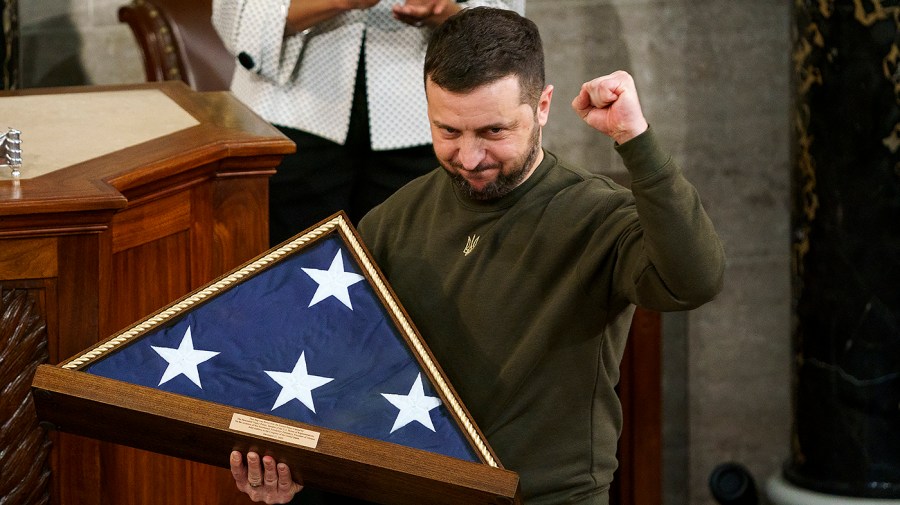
(24,446)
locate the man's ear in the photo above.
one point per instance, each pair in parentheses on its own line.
(543,110)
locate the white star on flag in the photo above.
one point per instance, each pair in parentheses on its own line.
(297,384)
(414,406)
(333,282)
(183,360)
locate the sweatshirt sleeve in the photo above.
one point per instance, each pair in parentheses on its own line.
(253,31)
(673,258)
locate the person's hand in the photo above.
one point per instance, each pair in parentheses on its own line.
(349,5)
(269,482)
(303,14)
(610,105)
(425,12)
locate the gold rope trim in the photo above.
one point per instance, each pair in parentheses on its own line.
(266,260)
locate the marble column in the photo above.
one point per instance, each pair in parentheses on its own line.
(846,248)
(9,44)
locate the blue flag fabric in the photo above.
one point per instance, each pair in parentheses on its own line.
(307,339)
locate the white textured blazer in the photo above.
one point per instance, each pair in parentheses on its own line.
(305,81)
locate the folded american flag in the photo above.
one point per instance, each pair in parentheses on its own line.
(306,338)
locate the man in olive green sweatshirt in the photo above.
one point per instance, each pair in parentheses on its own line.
(522,272)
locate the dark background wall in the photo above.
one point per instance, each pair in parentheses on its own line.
(9,44)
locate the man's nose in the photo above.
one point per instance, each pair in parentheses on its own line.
(471,153)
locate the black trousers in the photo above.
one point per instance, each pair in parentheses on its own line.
(323,177)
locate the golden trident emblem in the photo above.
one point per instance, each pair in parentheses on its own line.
(470,244)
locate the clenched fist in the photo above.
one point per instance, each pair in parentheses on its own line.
(610,105)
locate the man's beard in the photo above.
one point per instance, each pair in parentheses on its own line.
(505,182)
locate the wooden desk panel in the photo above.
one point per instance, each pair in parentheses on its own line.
(100,244)
(638,480)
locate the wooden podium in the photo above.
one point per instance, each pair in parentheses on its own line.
(88,248)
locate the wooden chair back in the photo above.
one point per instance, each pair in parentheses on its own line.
(177,42)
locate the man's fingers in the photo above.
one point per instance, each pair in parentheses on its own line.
(270,476)
(286,480)
(582,102)
(254,476)
(604,91)
(263,479)
(238,470)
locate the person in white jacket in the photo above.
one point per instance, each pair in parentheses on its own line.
(343,80)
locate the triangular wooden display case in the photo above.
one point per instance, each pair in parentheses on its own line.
(74,401)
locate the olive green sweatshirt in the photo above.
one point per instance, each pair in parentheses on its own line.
(526,301)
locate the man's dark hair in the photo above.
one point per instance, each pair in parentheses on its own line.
(481,45)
